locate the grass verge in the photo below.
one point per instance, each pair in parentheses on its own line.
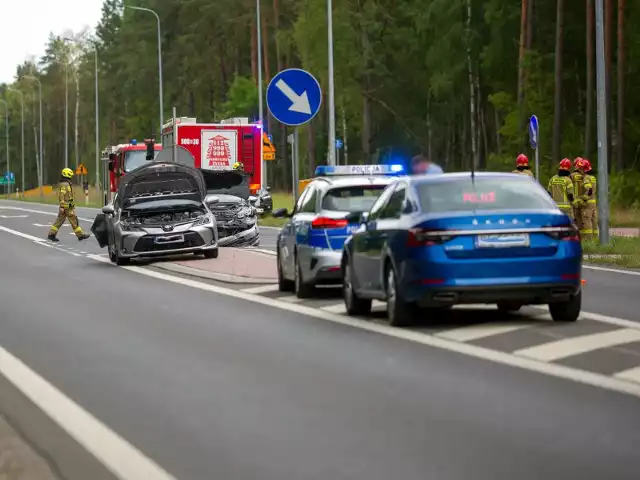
(622,251)
(51,198)
(625,218)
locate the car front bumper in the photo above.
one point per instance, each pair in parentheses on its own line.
(246,238)
(139,244)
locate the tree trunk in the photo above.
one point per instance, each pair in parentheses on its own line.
(496,119)
(366,128)
(588,129)
(77,120)
(620,137)
(529,42)
(608,18)
(283,154)
(254,51)
(311,148)
(472,96)
(557,116)
(523,42)
(429,148)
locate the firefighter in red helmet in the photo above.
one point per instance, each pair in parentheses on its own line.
(561,188)
(522,165)
(577,177)
(589,225)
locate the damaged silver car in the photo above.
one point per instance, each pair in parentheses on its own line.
(159,209)
(230,200)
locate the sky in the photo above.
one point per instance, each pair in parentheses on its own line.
(26,25)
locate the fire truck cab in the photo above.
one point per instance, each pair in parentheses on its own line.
(125,157)
(219,146)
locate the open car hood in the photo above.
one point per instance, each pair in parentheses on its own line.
(227,182)
(162,180)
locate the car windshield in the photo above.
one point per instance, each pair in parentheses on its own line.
(352,199)
(463,194)
(135,158)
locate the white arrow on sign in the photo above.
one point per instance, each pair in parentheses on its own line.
(300,103)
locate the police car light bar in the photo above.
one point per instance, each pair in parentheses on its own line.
(326,170)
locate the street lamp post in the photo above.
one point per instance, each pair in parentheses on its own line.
(21,135)
(40,163)
(159,61)
(332,102)
(263,164)
(66,115)
(603,164)
(6,126)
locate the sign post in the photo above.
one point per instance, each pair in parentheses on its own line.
(7,180)
(294,97)
(339,145)
(534,136)
(82,172)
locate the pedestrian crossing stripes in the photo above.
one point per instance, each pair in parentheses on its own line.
(530,333)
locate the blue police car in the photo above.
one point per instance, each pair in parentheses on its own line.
(438,241)
(309,246)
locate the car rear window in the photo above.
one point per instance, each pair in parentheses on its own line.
(352,199)
(462,195)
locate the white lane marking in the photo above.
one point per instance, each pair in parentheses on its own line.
(337,308)
(559,371)
(120,457)
(20,209)
(264,251)
(14,216)
(633,374)
(23,235)
(261,289)
(611,270)
(290,299)
(476,332)
(567,347)
(620,322)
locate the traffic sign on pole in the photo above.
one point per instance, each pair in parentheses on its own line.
(294,97)
(534,140)
(533,132)
(339,143)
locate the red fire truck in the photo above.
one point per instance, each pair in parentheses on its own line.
(123,158)
(218,146)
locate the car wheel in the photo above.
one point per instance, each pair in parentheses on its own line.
(567,311)
(508,307)
(211,253)
(303,290)
(399,312)
(354,304)
(284,285)
(119,261)
(112,255)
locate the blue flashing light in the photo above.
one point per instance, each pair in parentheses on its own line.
(326,170)
(134,141)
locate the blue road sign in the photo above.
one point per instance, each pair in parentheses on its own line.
(294,97)
(339,143)
(533,132)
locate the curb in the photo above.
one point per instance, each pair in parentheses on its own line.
(220,277)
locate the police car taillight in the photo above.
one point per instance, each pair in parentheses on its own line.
(426,238)
(325,222)
(568,233)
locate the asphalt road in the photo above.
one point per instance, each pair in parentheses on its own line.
(211,386)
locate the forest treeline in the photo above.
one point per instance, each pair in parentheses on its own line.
(457,79)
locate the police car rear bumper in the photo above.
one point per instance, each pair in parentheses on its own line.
(324,267)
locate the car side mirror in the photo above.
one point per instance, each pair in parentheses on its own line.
(212,200)
(364,217)
(268,189)
(252,198)
(108,210)
(280,213)
(407,208)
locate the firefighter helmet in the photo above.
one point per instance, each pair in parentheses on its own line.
(67,173)
(565,164)
(585,165)
(238,166)
(522,160)
(577,162)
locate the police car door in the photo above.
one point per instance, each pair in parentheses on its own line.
(302,224)
(288,239)
(381,234)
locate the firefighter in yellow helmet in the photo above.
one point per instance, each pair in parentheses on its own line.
(522,165)
(561,188)
(589,229)
(66,208)
(577,177)
(238,166)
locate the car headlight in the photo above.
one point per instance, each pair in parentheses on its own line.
(203,220)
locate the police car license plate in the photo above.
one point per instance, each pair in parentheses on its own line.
(503,241)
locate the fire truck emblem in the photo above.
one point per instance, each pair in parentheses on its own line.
(218,152)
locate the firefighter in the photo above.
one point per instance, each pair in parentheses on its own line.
(238,166)
(589,229)
(561,188)
(577,178)
(522,165)
(67,209)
